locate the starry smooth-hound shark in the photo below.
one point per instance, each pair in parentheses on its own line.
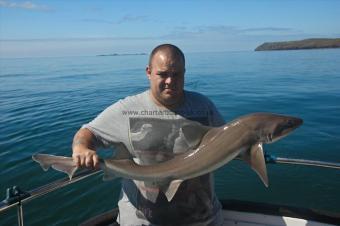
(243,137)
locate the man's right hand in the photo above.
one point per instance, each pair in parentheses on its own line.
(84,157)
(83,148)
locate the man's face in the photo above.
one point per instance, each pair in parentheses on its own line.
(166,75)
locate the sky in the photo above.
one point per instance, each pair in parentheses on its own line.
(40,28)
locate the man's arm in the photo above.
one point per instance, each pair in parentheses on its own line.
(84,149)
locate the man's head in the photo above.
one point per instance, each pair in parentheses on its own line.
(166,74)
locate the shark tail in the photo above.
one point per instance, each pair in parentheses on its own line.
(59,163)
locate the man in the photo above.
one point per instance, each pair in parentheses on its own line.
(153,134)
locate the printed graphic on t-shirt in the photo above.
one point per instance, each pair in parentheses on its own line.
(156,140)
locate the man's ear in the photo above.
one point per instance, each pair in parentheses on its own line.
(148,71)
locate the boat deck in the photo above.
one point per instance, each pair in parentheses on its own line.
(243,213)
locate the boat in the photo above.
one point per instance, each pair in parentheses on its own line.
(235,212)
(244,213)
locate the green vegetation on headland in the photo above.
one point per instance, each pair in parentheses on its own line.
(314,43)
(122,54)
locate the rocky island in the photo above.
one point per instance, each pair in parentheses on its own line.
(314,43)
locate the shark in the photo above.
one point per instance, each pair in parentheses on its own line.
(241,138)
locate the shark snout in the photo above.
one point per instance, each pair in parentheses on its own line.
(295,122)
(286,126)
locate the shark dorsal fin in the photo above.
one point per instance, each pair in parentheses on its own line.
(255,158)
(194,132)
(211,134)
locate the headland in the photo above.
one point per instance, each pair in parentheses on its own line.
(313,43)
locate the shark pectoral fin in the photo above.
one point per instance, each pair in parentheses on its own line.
(66,168)
(171,190)
(257,162)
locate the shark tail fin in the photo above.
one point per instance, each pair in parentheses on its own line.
(255,158)
(59,163)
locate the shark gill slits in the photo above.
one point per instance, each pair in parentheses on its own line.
(269,137)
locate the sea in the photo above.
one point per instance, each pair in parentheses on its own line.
(44,101)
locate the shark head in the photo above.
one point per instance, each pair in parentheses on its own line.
(265,128)
(271,127)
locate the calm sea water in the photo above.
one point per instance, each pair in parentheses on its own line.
(44,101)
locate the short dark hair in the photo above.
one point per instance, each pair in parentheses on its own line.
(166,47)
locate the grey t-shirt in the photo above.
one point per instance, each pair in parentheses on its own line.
(152,134)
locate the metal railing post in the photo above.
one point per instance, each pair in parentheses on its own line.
(20,215)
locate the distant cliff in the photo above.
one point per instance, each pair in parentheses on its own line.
(315,43)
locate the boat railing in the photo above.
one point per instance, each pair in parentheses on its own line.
(305,162)
(15,196)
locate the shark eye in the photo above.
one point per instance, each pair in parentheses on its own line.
(289,124)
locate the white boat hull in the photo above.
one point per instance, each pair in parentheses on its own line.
(237,218)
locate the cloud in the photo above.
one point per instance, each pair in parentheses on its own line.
(130,18)
(271,29)
(122,20)
(78,39)
(24,5)
(199,31)
(227,31)
(274,31)
(218,32)
(99,21)
(95,9)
